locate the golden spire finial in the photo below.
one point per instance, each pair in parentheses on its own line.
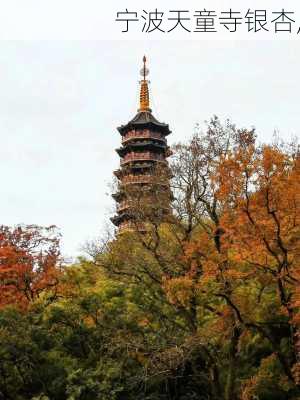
(144,92)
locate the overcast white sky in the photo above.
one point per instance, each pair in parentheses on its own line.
(60,104)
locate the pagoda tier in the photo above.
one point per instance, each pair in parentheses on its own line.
(144,120)
(137,156)
(135,169)
(142,146)
(141,134)
(138,170)
(144,150)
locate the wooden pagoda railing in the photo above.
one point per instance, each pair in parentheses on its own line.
(131,226)
(137,179)
(123,205)
(137,156)
(142,134)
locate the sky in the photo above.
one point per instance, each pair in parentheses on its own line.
(61,102)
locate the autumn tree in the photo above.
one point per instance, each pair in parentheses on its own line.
(261,193)
(196,258)
(29,263)
(248,244)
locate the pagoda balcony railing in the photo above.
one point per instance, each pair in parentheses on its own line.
(142,134)
(131,226)
(137,156)
(137,179)
(124,205)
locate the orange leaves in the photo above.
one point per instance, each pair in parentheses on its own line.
(179,290)
(268,379)
(266,206)
(28,263)
(144,322)
(260,194)
(246,246)
(236,274)
(296,372)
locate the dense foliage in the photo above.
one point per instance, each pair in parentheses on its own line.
(204,306)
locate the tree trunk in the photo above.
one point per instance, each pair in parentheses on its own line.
(230,380)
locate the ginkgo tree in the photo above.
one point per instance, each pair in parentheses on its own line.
(226,259)
(261,222)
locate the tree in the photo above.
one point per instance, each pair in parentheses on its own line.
(199,260)
(261,193)
(29,263)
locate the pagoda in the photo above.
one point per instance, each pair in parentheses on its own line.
(143,173)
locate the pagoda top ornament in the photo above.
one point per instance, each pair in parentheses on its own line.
(144,118)
(144,90)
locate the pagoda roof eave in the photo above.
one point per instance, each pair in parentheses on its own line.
(124,216)
(144,119)
(132,146)
(118,195)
